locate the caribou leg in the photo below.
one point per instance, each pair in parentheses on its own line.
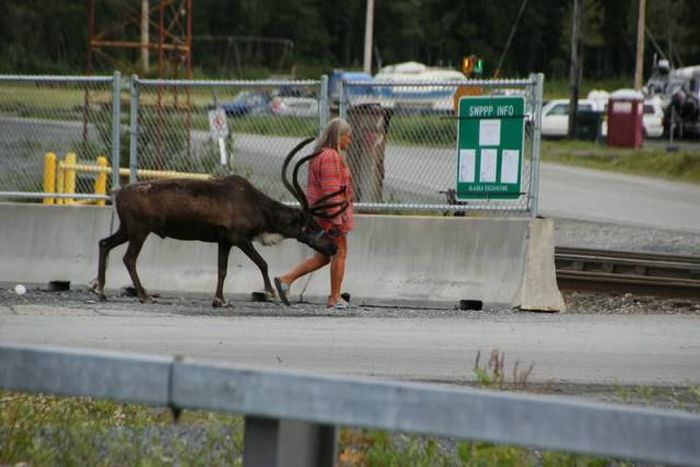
(224,250)
(106,245)
(132,253)
(246,246)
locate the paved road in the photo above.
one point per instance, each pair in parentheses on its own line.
(403,344)
(594,195)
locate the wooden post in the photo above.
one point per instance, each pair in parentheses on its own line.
(575,67)
(639,64)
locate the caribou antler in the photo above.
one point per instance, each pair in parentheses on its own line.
(298,192)
(318,205)
(298,195)
(295,178)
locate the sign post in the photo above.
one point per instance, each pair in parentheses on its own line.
(490,141)
(218,129)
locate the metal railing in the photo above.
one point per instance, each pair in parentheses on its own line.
(291,417)
(403,153)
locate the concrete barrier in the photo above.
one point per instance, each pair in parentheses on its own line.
(391,259)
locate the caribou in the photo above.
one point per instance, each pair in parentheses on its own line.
(228,211)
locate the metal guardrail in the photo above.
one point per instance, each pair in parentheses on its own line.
(291,416)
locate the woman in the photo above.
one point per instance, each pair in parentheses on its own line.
(328,172)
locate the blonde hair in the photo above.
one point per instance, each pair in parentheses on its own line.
(330,138)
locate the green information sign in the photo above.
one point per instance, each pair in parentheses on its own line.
(490,141)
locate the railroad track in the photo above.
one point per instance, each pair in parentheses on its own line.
(623,271)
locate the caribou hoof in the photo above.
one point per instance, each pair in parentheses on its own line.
(282,290)
(146,299)
(220,303)
(263,296)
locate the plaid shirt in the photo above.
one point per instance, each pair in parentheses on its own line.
(328,173)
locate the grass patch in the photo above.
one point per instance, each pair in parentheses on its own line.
(648,161)
(38,430)
(380,448)
(50,430)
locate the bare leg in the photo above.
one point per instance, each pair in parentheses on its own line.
(250,251)
(338,270)
(311,264)
(132,253)
(224,250)
(106,245)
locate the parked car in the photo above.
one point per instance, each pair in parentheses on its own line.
(294,106)
(653,119)
(555,115)
(247,103)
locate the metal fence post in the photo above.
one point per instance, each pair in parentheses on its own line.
(270,442)
(323,105)
(342,102)
(536,134)
(116,127)
(134,133)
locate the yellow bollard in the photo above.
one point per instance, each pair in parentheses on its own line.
(49,176)
(101,180)
(59,182)
(69,177)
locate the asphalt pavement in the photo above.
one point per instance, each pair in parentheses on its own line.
(396,343)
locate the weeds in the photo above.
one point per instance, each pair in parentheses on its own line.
(492,374)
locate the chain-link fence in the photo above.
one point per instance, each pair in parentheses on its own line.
(405,145)
(403,155)
(224,127)
(48,122)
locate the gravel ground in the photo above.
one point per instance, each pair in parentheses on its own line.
(582,234)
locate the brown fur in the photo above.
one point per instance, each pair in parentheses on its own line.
(228,211)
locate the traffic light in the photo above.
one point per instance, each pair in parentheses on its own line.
(472,64)
(468,65)
(479,66)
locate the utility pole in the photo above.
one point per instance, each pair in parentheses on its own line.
(575,67)
(144,35)
(369,25)
(639,65)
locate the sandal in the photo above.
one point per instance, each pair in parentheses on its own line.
(339,305)
(282,290)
